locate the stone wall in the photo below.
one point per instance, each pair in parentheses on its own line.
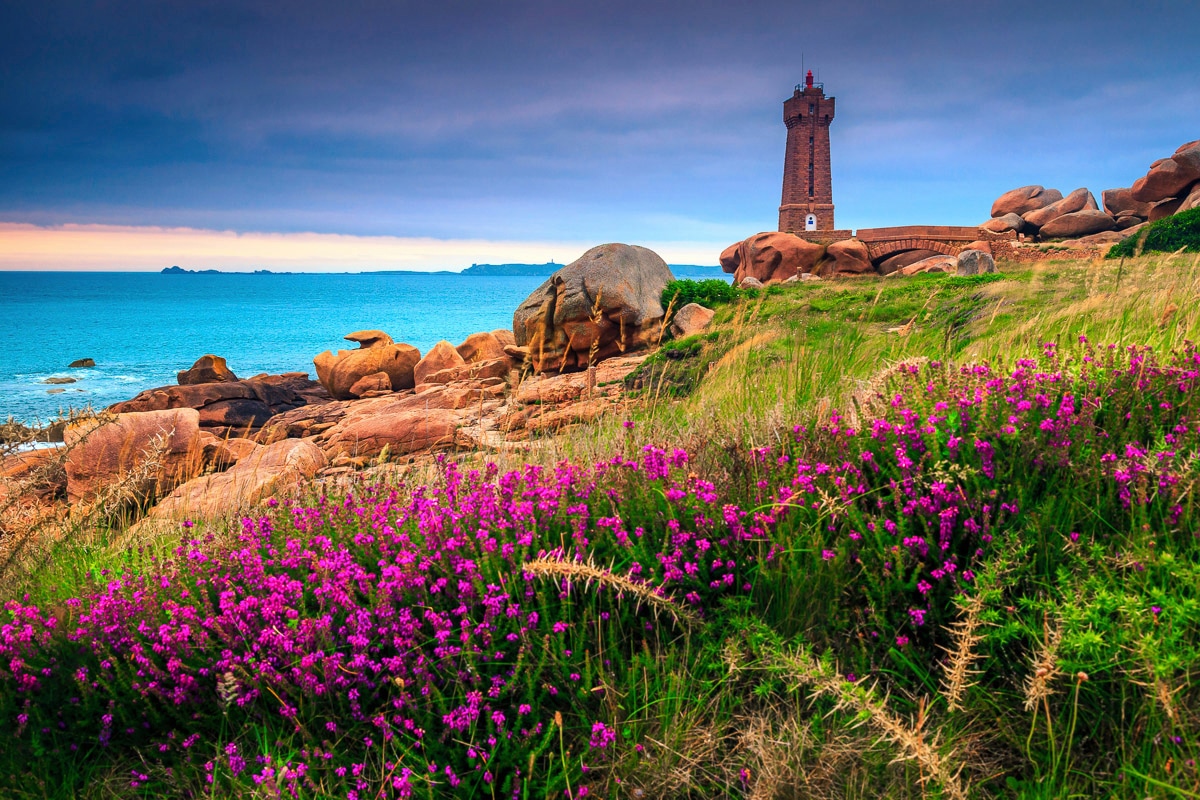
(823,237)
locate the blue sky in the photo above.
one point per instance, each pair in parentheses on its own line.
(536,126)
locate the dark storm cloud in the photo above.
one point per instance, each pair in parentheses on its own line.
(595,121)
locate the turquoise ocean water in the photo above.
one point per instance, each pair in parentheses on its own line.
(141,328)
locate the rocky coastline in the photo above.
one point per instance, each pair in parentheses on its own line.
(215,443)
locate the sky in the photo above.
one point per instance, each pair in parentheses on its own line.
(366,134)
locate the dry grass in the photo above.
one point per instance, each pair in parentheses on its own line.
(587,574)
(1039,685)
(959,673)
(32,517)
(910,740)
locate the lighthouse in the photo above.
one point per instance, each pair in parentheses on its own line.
(807,203)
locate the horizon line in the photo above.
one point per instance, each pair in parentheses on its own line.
(94,247)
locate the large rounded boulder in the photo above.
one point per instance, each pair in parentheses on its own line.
(1120,203)
(606,302)
(1170,177)
(1078,223)
(145,452)
(376,353)
(207,369)
(1023,200)
(847,257)
(975,262)
(481,347)
(1078,200)
(442,356)
(771,256)
(1004,224)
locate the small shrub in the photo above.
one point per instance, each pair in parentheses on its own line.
(1181,231)
(708,293)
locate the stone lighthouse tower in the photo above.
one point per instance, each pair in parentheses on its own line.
(807,203)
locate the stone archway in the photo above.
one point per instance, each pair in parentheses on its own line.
(881,250)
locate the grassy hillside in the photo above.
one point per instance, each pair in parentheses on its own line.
(866,538)
(1176,233)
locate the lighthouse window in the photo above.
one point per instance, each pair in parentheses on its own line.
(812,108)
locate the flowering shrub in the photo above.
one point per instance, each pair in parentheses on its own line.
(395,643)
(482,634)
(909,507)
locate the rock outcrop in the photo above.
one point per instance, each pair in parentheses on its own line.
(1170,177)
(974,262)
(218,453)
(1164,208)
(231,408)
(1079,223)
(1098,239)
(1171,185)
(693,318)
(406,430)
(33,474)
(263,472)
(1048,215)
(938,263)
(1120,203)
(485,346)
(847,257)
(1078,200)
(1023,200)
(901,260)
(207,369)
(376,353)
(442,356)
(770,256)
(1005,223)
(154,450)
(376,383)
(605,303)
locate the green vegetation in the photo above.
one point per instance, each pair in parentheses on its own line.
(677,368)
(1179,232)
(709,293)
(926,537)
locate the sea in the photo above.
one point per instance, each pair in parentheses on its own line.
(142,328)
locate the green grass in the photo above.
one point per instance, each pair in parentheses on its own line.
(1177,233)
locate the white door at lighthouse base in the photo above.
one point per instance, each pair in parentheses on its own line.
(810,222)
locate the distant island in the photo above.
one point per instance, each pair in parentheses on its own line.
(550,267)
(177,270)
(477,270)
(474,271)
